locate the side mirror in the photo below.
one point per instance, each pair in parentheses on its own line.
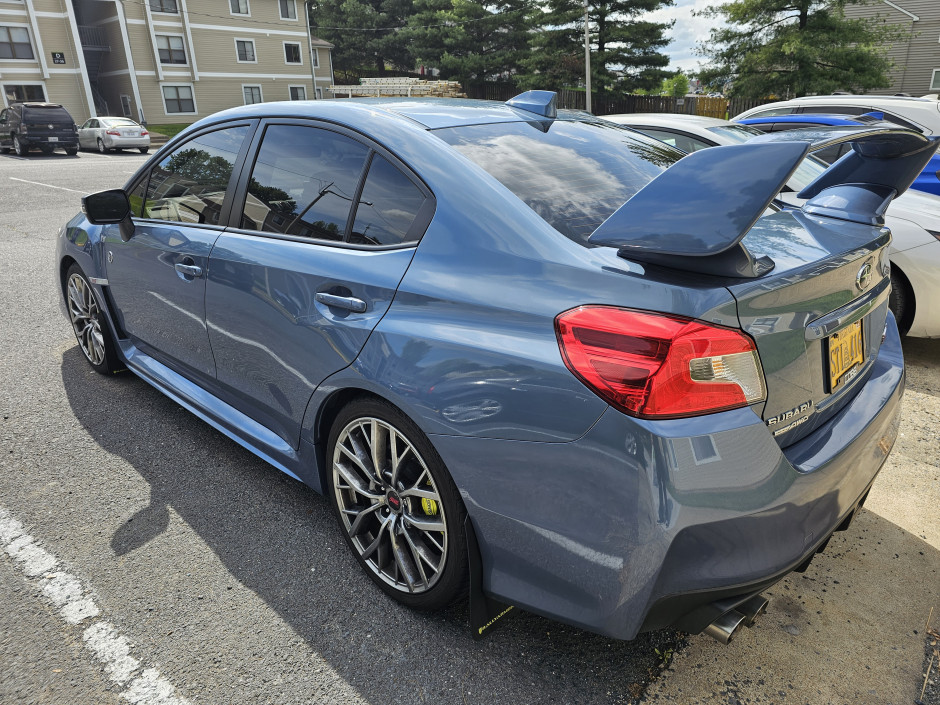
(106,207)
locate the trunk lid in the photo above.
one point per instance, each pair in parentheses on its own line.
(827,293)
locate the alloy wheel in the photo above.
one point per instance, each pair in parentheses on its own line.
(101,147)
(85,315)
(389,505)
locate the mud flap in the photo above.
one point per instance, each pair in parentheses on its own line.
(485,613)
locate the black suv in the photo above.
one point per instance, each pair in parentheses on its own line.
(24,126)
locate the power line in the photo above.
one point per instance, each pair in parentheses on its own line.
(252,22)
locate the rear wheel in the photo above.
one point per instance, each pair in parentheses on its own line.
(399,509)
(901,302)
(71,151)
(101,148)
(19,148)
(88,323)
(144,150)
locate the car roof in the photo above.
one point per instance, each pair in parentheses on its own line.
(430,113)
(681,120)
(805,117)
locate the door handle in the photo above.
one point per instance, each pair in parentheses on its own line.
(349,303)
(190,270)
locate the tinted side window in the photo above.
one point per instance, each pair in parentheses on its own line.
(901,121)
(770,112)
(189,185)
(304,182)
(836,109)
(678,140)
(388,206)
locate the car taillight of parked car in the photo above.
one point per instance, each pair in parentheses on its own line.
(143,133)
(116,133)
(651,365)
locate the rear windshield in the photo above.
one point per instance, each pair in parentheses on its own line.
(119,122)
(57,114)
(736,133)
(574,174)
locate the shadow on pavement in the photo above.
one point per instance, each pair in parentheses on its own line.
(269,531)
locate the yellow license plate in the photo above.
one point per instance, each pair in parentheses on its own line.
(846,355)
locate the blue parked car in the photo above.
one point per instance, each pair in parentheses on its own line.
(526,353)
(928,180)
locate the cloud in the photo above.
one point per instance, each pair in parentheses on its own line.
(687,31)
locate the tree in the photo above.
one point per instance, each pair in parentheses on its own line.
(365,32)
(470,40)
(675,86)
(791,48)
(620,42)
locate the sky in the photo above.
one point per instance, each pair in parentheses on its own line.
(687,31)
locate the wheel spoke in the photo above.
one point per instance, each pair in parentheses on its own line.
(378,540)
(361,516)
(419,559)
(397,458)
(427,524)
(421,493)
(360,442)
(378,439)
(403,562)
(355,484)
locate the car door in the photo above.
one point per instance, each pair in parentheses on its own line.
(87,134)
(297,287)
(158,276)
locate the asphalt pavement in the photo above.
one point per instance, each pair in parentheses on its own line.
(145,558)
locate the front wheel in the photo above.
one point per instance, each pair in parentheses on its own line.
(399,509)
(19,148)
(88,323)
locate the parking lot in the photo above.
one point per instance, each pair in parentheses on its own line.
(216,579)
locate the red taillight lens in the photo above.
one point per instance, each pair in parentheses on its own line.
(144,132)
(652,365)
(113,132)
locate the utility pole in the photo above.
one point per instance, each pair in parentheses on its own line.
(587,60)
(313,52)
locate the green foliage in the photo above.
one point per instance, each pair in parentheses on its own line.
(675,86)
(379,47)
(168,130)
(791,48)
(473,40)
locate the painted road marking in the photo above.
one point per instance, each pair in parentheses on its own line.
(144,685)
(39,183)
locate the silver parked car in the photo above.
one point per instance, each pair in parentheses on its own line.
(111,133)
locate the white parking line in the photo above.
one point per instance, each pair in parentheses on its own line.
(39,183)
(144,686)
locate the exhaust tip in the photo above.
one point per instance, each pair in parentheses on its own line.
(723,628)
(752,609)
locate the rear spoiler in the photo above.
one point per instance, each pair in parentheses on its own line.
(694,215)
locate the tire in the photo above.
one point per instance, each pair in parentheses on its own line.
(19,149)
(101,148)
(144,150)
(89,324)
(901,301)
(71,151)
(392,532)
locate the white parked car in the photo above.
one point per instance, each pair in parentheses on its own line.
(914,216)
(922,114)
(107,134)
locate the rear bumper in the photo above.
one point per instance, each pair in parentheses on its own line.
(112,142)
(47,141)
(640,525)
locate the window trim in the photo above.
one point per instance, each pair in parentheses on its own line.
(300,53)
(32,44)
(296,86)
(422,219)
(295,18)
(182,38)
(247,12)
(935,80)
(179,85)
(254,50)
(130,115)
(165,12)
(252,85)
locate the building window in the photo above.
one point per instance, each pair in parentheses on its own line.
(292,53)
(239,7)
(20,93)
(171,49)
(15,44)
(935,80)
(179,99)
(288,10)
(316,59)
(246,51)
(164,6)
(298,93)
(252,94)
(319,93)
(126,105)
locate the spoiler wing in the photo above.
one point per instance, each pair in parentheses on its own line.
(695,214)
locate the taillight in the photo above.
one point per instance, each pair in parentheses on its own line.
(653,365)
(144,132)
(113,132)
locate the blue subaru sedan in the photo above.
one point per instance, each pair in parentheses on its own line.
(531,357)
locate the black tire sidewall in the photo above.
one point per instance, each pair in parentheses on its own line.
(901,301)
(453,584)
(101,148)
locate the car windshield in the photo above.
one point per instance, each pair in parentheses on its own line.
(574,173)
(735,133)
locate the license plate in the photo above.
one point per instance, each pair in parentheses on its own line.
(53,139)
(846,355)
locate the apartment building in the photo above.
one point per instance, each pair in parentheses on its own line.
(159,61)
(916,55)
